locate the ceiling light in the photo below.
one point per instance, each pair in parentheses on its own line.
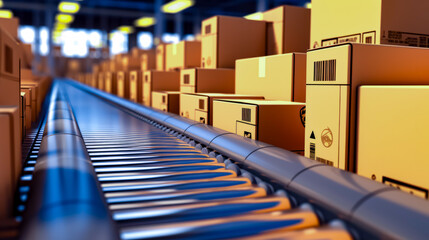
(1,3)
(255,16)
(144,22)
(177,6)
(308,5)
(68,7)
(6,14)
(64,18)
(61,26)
(126,29)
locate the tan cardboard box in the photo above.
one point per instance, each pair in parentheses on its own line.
(23,115)
(137,52)
(94,79)
(166,101)
(279,123)
(159,81)
(391,140)
(160,57)
(199,106)
(88,79)
(10,148)
(394,22)
(148,60)
(100,84)
(288,29)
(27,55)
(185,54)
(226,39)
(333,76)
(123,84)
(110,82)
(130,63)
(28,107)
(32,89)
(203,80)
(136,86)
(9,72)
(10,25)
(280,77)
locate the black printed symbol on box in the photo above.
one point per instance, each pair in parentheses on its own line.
(247,134)
(202,120)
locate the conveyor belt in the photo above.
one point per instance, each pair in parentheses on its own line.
(158,183)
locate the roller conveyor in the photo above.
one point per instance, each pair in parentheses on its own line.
(107,168)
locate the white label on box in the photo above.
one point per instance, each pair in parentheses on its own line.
(261,72)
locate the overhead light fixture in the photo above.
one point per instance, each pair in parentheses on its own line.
(308,5)
(144,22)
(255,16)
(68,7)
(177,6)
(1,3)
(61,26)
(126,29)
(64,18)
(6,14)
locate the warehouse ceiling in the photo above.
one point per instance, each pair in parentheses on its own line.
(109,14)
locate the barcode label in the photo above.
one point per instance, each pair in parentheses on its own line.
(208,29)
(201,104)
(245,114)
(186,79)
(324,161)
(325,70)
(313,151)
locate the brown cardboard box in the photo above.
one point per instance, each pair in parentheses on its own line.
(10,25)
(110,82)
(23,115)
(137,52)
(394,22)
(10,147)
(27,55)
(166,101)
(123,84)
(333,76)
(100,84)
(159,81)
(136,86)
(280,77)
(199,106)
(226,39)
(279,123)
(130,63)
(88,79)
(9,72)
(203,80)
(288,29)
(391,140)
(28,107)
(148,60)
(185,54)
(32,89)
(160,57)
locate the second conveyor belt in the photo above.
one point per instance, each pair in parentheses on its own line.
(159,186)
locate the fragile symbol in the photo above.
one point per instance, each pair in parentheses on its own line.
(327,137)
(247,134)
(312,135)
(302,115)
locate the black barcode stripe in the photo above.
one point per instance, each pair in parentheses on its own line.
(325,70)
(313,151)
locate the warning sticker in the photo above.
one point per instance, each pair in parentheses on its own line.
(406,39)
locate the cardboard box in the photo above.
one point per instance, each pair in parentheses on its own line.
(185,54)
(123,84)
(274,122)
(160,57)
(226,39)
(94,79)
(137,52)
(27,55)
(32,89)
(333,75)
(9,68)
(136,86)
(159,81)
(130,63)
(288,29)
(100,84)
(88,79)
(394,22)
(148,60)
(22,114)
(280,77)
(203,80)
(391,139)
(10,25)
(166,101)
(199,106)
(10,147)
(28,107)
(110,82)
